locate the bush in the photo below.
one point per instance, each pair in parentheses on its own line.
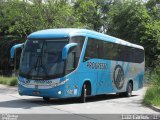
(152,96)
(11,81)
(155,78)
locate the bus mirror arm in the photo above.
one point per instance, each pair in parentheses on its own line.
(86,58)
(13,49)
(66,50)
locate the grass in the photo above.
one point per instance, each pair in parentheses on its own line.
(152,96)
(11,81)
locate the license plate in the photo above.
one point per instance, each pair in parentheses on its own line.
(36,86)
(36,92)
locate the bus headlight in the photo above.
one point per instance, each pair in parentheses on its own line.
(59,83)
(59,92)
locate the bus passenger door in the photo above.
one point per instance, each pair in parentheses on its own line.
(97,66)
(103,78)
(101,74)
(104,82)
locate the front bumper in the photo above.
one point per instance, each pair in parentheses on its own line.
(56,92)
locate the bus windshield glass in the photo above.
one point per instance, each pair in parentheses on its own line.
(42,59)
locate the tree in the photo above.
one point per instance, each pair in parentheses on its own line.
(129,20)
(93,13)
(154,9)
(23,17)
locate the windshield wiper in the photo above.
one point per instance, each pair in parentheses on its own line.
(39,63)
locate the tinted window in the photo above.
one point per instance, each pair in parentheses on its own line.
(80,41)
(112,51)
(74,53)
(138,55)
(91,50)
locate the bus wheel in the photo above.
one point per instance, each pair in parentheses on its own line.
(83,94)
(128,93)
(129,90)
(46,98)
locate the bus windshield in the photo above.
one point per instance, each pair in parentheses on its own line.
(42,59)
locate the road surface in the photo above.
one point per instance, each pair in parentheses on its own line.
(11,102)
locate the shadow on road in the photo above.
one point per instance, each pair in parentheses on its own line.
(37,102)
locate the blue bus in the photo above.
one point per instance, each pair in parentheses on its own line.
(69,62)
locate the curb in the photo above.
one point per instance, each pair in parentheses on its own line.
(157,109)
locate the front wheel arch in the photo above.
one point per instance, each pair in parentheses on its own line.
(130,81)
(128,92)
(129,89)
(85,91)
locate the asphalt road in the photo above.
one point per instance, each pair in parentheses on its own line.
(11,102)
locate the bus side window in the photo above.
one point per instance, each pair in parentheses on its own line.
(80,41)
(91,49)
(138,55)
(71,61)
(108,51)
(74,53)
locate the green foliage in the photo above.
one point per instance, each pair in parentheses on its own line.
(154,11)
(155,77)
(152,96)
(22,18)
(92,13)
(131,21)
(11,81)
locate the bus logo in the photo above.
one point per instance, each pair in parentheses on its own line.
(118,77)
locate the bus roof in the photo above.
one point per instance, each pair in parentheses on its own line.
(66,32)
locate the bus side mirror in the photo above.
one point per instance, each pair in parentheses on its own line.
(66,50)
(13,49)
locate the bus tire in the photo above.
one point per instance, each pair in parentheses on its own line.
(128,92)
(129,89)
(83,94)
(46,98)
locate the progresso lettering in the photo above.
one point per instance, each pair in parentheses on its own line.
(93,65)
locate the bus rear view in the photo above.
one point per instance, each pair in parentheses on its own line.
(65,63)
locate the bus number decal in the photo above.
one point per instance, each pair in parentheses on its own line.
(93,65)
